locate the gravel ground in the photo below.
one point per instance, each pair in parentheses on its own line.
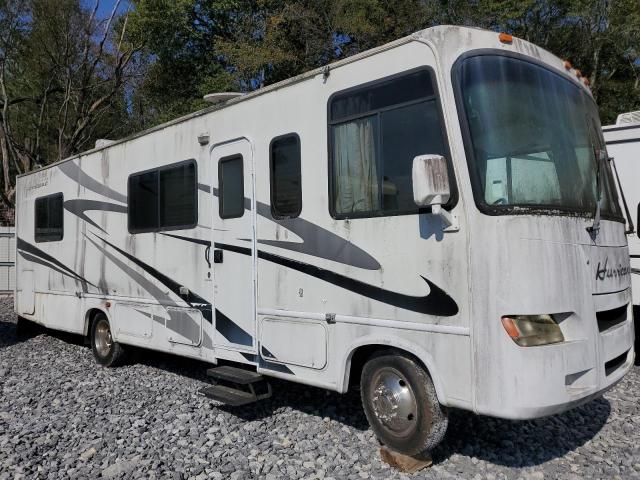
(63,416)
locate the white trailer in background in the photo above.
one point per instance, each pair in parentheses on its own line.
(433,219)
(623,144)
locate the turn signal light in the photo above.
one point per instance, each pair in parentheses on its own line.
(532,330)
(505,38)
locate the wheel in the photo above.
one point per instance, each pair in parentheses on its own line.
(105,350)
(401,404)
(26,328)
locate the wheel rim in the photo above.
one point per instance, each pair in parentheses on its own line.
(394,403)
(102,339)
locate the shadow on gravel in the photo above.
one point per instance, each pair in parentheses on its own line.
(9,335)
(345,409)
(524,443)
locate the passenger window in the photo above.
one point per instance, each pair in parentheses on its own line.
(286,187)
(49,225)
(375,132)
(231,182)
(164,199)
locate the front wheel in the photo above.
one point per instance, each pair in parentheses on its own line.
(401,404)
(105,350)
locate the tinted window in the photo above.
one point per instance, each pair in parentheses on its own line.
(376,132)
(164,199)
(231,183)
(286,191)
(143,202)
(178,196)
(49,218)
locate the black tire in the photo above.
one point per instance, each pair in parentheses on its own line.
(105,350)
(27,329)
(388,383)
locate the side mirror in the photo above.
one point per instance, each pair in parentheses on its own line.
(430,180)
(431,186)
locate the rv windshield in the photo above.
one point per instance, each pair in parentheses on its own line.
(534,139)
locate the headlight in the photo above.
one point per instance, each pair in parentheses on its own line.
(532,330)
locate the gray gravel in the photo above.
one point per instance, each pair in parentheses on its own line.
(63,416)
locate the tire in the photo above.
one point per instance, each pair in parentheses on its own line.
(401,404)
(105,350)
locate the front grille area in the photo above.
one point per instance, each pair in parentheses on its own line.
(610,318)
(615,363)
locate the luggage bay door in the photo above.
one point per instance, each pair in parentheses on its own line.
(233,254)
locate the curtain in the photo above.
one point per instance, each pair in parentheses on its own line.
(354,167)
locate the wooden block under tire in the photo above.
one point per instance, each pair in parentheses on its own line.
(402,462)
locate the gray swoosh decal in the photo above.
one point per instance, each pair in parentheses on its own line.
(78,207)
(34,259)
(74,172)
(316,241)
(35,251)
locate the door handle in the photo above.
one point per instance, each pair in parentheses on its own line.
(206,255)
(217,256)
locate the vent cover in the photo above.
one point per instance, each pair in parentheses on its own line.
(627,118)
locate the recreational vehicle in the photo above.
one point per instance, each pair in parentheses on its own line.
(623,144)
(433,220)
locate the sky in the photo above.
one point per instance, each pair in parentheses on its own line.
(105,6)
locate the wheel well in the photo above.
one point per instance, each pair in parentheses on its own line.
(360,356)
(89,318)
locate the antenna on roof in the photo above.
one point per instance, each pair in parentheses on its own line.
(221,97)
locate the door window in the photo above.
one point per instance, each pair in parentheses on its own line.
(231,181)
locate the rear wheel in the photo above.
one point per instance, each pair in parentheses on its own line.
(105,350)
(401,404)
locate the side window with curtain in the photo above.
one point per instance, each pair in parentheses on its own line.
(286,186)
(164,198)
(49,216)
(375,133)
(231,185)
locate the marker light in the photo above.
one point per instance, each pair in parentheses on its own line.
(532,330)
(586,81)
(505,38)
(567,65)
(578,73)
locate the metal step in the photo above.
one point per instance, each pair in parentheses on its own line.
(228,395)
(234,375)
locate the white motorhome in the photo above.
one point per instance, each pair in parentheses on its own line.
(623,144)
(432,219)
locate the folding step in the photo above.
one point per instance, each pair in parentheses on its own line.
(228,395)
(234,374)
(236,386)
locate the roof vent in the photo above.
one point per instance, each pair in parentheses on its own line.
(103,142)
(627,118)
(221,97)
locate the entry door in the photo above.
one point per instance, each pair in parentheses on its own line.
(233,256)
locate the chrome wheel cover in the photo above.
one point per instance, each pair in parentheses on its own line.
(102,338)
(394,402)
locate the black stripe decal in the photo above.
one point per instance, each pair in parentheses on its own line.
(230,330)
(34,259)
(206,243)
(436,302)
(628,140)
(192,299)
(35,251)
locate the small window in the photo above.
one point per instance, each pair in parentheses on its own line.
(164,198)
(49,218)
(286,189)
(231,181)
(375,133)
